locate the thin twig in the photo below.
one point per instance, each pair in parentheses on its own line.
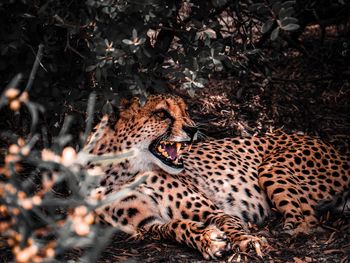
(123,192)
(68,46)
(89,119)
(14,81)
(38,57)
(66,125)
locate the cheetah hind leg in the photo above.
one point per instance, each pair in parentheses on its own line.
(211,242)
(289,198)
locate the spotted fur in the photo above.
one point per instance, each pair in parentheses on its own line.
(225,183)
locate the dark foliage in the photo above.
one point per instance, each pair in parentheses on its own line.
(135,47)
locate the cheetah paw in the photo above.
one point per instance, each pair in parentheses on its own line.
(246,242)
(293,229)
(214,243)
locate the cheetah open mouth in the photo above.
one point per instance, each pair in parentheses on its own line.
(169,152)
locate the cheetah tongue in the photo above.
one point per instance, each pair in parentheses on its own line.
(171,151)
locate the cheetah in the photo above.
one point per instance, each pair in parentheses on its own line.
(204,193)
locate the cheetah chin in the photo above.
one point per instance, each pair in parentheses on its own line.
(169,154)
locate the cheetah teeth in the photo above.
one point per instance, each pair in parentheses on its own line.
(178,147)
(189,147)
(173,150)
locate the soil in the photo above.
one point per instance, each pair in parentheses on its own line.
(332,245)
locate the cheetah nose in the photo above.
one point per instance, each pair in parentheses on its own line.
(191,131)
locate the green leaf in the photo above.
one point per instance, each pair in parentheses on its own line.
(198,84)
(274,34)
(287,4)
(127,42)
(285,12)
(263,10)
(90,2)
(290,27)
(98,74)
(276,7)
(191,92)
(267,26)
(102,63)
(289,20)
(105,10)
(218,3)
(90,68)
(134,33)
(254,7)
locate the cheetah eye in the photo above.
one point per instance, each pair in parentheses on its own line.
(162,114)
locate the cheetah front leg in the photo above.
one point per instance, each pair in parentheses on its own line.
(236,232)
(211,242)
(144,221)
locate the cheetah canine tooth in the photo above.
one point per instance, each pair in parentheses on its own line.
(178,147)
(189,147)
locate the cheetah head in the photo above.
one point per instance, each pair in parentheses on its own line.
(158,132)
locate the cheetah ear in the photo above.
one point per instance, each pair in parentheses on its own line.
(110,110)
(143,100)
(128,108)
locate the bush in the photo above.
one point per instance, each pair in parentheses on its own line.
(45,207)
(141,46)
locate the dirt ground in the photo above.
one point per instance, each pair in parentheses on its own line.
(332,245)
